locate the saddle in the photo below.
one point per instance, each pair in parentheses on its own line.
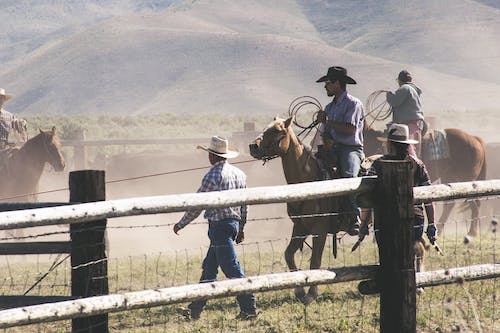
(435,146)
(328,171)
(327,164)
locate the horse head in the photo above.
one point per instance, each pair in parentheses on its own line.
(52,147)
(274,141)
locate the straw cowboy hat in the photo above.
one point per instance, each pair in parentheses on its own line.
(2,93)
(398,133)
(337,73)
(220,146)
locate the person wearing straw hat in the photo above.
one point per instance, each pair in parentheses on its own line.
(343,121)
(225,225)
(407,109)
(8,121)
(398,148)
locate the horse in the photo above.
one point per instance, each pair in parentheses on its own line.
(466,162)
(22,167)
(309,217)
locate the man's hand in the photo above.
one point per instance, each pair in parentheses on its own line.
(177,227)
(321,116)
(431,233)
(240,237)
(363,232)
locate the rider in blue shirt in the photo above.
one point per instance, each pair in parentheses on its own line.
(343,119)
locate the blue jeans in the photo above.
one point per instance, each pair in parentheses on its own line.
(348,165)
(222,253)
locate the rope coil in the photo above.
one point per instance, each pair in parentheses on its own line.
(377,110)
(299,104)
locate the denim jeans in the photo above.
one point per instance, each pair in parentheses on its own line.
(222,253)
(349,163)
(415,133)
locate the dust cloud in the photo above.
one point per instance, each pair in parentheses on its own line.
(161,173)
(164,174)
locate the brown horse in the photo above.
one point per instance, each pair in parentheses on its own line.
(22,167)
(300,166)
(466,162)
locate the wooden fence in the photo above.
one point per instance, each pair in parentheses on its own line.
(80,144)
(394,186)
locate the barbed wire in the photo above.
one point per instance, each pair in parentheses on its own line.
(251,220)
(151,271)
(124,180)
(183,266)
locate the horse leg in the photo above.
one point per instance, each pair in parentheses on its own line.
(319,241)
(296,243)
(419,255)
(419,259)
(445,214)
(474,226)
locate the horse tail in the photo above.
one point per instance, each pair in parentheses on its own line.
(482,173)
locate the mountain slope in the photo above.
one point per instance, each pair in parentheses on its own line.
(210,55)
(29,24)
(455,37)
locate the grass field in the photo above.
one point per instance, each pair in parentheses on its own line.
(465,307)
(339,308)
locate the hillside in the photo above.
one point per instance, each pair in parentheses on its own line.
(239,56)
(29,24)
(454,37)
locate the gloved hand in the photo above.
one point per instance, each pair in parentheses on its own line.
(363,230)
(176,228)
(431,233)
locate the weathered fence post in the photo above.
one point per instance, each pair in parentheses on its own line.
(89,274)
(395,220)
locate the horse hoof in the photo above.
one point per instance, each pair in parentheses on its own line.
(300,293)
(420,291)
(467,239)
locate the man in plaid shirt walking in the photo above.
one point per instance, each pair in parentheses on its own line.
(225,225)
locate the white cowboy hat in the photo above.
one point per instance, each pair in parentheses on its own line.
(398,133)
(2,93)
(219,146)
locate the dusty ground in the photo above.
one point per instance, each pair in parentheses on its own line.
(152,233)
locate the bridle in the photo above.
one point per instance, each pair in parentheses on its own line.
(263,156)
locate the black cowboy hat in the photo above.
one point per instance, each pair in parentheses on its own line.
(337,73)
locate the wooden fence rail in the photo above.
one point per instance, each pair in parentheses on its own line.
(97,305)
(258,195)
(87,212)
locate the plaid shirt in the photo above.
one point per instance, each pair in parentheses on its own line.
(6,119)
(221,176)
